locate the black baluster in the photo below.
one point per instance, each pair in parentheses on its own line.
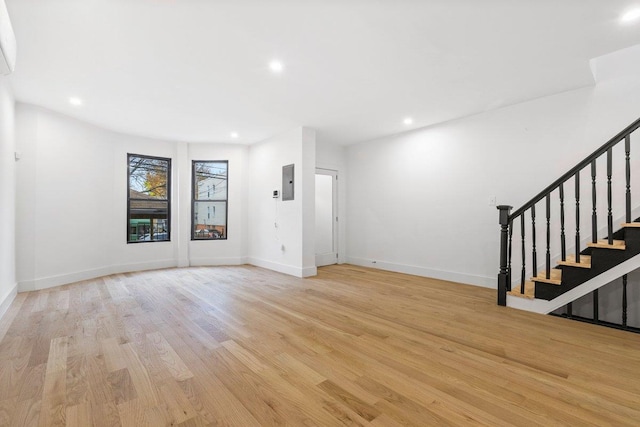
(534,257)
(509,264)
(577,177)
(570,310)
(524,264)
(594,216)
(610,214)
(504,241)
(596,306)
(627,150)
(563,245)
(624,301)
(548,260)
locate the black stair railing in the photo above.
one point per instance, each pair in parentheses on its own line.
(596,317)
(507,219)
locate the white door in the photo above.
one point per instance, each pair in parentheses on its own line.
(326,217)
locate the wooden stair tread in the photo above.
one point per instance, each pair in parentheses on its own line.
(585,261)
(555,278)
(604,244)
(631,224)
(529,290)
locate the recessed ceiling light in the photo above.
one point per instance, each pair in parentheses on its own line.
(630,16)
(75,101)
(234,135)
(408,121)
(276,66)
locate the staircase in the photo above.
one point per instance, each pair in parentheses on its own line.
(594,260)
(548,284)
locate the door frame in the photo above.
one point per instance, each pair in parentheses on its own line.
(331,257)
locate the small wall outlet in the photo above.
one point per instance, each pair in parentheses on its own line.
(282,248)
(275,194)
(373,262)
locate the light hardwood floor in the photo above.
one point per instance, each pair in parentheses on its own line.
(244,346)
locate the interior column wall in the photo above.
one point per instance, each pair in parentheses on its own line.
(282,237)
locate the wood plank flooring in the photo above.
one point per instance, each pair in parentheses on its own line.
(243,346)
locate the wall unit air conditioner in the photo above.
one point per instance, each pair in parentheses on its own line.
(7,42)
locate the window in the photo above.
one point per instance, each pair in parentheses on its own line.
(149,200)
(209,201)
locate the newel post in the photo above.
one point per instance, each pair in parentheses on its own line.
(503,276)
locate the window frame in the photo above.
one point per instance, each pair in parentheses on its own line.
(194,200)
(168,199)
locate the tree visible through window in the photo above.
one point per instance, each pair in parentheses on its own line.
(209,201)
(149,201)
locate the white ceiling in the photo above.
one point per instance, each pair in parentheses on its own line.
(195,70)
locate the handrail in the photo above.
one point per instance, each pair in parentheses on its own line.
(600,151)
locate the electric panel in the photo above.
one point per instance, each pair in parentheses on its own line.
(287,182)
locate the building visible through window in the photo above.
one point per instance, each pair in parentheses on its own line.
(209,201)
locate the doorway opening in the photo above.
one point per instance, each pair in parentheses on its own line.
(326,217)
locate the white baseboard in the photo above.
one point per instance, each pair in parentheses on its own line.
(64,279)
(200,262)
(309,271)
(142,266)
(451,276)
(282,268)
(8,299)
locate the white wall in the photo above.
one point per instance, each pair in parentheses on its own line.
(71,209)
(419,202)
(282,232)
(8,284)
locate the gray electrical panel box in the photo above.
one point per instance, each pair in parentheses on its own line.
(287,182)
